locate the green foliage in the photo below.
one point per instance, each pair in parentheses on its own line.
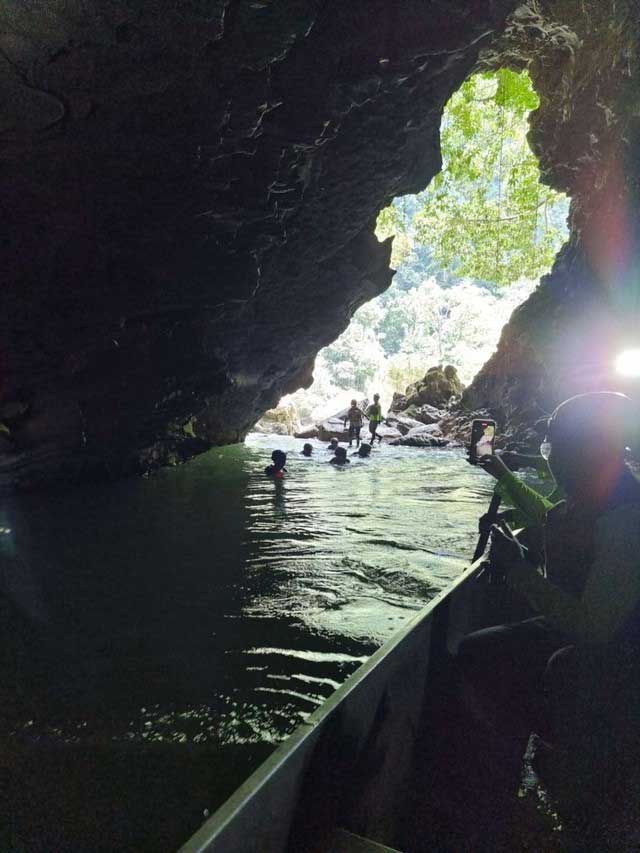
(484,222)
(486,216)
(352,360)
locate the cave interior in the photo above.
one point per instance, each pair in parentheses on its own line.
(191,193)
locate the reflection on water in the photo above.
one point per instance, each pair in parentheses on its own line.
(209,608)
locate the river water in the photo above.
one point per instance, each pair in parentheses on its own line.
(162,635)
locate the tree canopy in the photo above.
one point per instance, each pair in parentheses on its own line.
(486,215)
(467,250)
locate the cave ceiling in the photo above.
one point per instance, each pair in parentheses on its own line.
(190,192)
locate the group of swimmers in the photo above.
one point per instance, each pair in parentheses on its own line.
(340,453)
(354,417)
(277,469)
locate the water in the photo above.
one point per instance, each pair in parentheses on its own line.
(162,635)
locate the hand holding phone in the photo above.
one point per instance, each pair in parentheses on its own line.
(483,433)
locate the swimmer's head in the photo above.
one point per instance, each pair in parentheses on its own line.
(307,449)
(279,458)
(364,449)
(333,442)
(341,453)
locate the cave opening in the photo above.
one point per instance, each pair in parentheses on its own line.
(466,252)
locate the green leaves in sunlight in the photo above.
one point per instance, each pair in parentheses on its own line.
(486,216)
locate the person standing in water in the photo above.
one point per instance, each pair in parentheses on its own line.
(374,413)
(277,470)
(354,416)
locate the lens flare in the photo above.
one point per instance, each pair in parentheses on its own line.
(628,363)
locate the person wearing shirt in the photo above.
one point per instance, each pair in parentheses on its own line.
(374,413)
(354,416)
(586,594)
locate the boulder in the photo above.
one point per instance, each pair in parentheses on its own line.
(402,422)
(423,435)
(436,388)
(398,403)
(425,429)
(332,427)
(420,441)
(282,420)
(267,427)
(388,433)
(425,414)
(457,425)
(308,431)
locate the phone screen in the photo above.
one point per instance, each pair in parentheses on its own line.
(483,433)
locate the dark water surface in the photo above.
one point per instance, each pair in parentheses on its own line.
(160,636)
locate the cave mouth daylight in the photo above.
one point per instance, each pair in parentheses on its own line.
(467,251)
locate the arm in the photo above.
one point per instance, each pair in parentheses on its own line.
(612,590)
(531,504)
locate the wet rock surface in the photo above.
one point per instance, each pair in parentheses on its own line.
(564,339)
(193,190)
(282,420)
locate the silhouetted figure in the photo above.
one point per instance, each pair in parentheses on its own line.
(277,470)
(340,458)
(333,444)
(374,413)
(364,451)
(307,450)
(584,644)
(354,416)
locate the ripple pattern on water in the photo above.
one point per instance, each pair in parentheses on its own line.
(209,606)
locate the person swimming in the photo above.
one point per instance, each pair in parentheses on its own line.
(333,444)
(307,450)
(277,470)
(340,458)
(364,451)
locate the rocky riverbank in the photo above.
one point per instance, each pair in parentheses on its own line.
(429,414)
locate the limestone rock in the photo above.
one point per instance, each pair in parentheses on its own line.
(398,403)
(308,431)
(436,388)
(332,427)
(402,422)
(283,420)
(425,414)
(425,435)
(193,197)
(388,433)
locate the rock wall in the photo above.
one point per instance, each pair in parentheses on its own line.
(583,58)
(190,191)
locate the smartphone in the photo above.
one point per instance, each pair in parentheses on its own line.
(483,434)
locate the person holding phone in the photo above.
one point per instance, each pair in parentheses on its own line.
(528,506)
(584,643)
